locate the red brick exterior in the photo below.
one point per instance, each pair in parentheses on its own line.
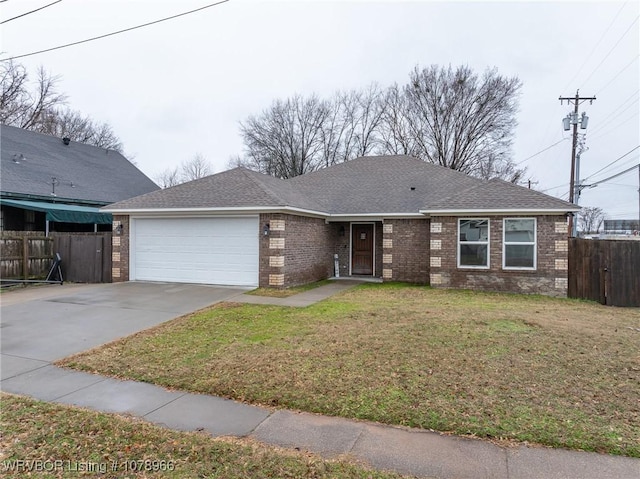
(300,249)
(408,257)
(341,242)
(548,277)
(307,252)
(377,264)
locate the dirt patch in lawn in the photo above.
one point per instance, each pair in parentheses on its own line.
(526,368)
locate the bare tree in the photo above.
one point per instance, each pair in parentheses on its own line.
(196,167)
(395,133)
(18,105)
(502,168)
(39,107)
(189,170)
(235,161)
(299,135)
(286,139)
(73,125)
(366,115)
(590,219)
(454,118)
(334,135)
(167,178)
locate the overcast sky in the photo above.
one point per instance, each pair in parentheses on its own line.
(181,87)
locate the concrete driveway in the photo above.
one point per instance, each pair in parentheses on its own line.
(46,323)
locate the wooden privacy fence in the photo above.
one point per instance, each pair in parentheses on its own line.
(607,271)
(25,255)
(86,257)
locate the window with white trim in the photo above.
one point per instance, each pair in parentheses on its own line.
(519,243)
(473,243)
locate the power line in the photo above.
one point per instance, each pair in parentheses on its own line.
(28,13)
(624,172)
(541,151)
(618,74)
(613,162)
(615,126)
(615,110)
(596,46)
(116,33)
(554,187)
(612,49)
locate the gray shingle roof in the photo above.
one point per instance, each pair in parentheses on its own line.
(234,188)
(83,172)
(381,184)
(498,195)
(368,185)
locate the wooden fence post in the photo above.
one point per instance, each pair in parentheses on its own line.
(25,257)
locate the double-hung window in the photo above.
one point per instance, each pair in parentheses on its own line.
(519,243)
(473,243)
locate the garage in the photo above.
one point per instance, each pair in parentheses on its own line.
(211,250)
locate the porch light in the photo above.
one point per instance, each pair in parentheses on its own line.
(266,229)
(342,230)
(118,229)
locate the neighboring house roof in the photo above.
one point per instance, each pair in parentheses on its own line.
(84,173)
(376,185)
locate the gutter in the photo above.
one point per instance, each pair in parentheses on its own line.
(500,211)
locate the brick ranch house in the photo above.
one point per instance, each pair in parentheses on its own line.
(391,217)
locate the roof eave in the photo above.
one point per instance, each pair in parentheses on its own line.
(212,210)
(499,211)
(371,216)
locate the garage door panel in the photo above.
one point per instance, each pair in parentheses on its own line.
(197,250)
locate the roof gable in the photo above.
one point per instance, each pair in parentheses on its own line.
(381,184)
(82,172)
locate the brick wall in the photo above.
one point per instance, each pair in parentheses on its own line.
(549,277)
(405,250)
(298,250)
(120,249)
(378,251)
(341,241)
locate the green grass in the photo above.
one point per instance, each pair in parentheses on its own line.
(286,292)
(562,373)
(70,442)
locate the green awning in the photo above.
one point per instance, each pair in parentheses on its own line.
(61,213)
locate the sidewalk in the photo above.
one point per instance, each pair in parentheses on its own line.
(301,300)
(409,451)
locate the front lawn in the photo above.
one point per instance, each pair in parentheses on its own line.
(50,440)
(562,373)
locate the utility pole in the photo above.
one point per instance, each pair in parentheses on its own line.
(572,119)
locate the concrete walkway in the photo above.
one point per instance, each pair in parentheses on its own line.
(301,300)
(410,451)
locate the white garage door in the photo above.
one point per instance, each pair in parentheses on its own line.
(219,250)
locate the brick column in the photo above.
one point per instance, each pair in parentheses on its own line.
(387,251)
(276,252)
(120,249)
(561,265)
(435,256)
